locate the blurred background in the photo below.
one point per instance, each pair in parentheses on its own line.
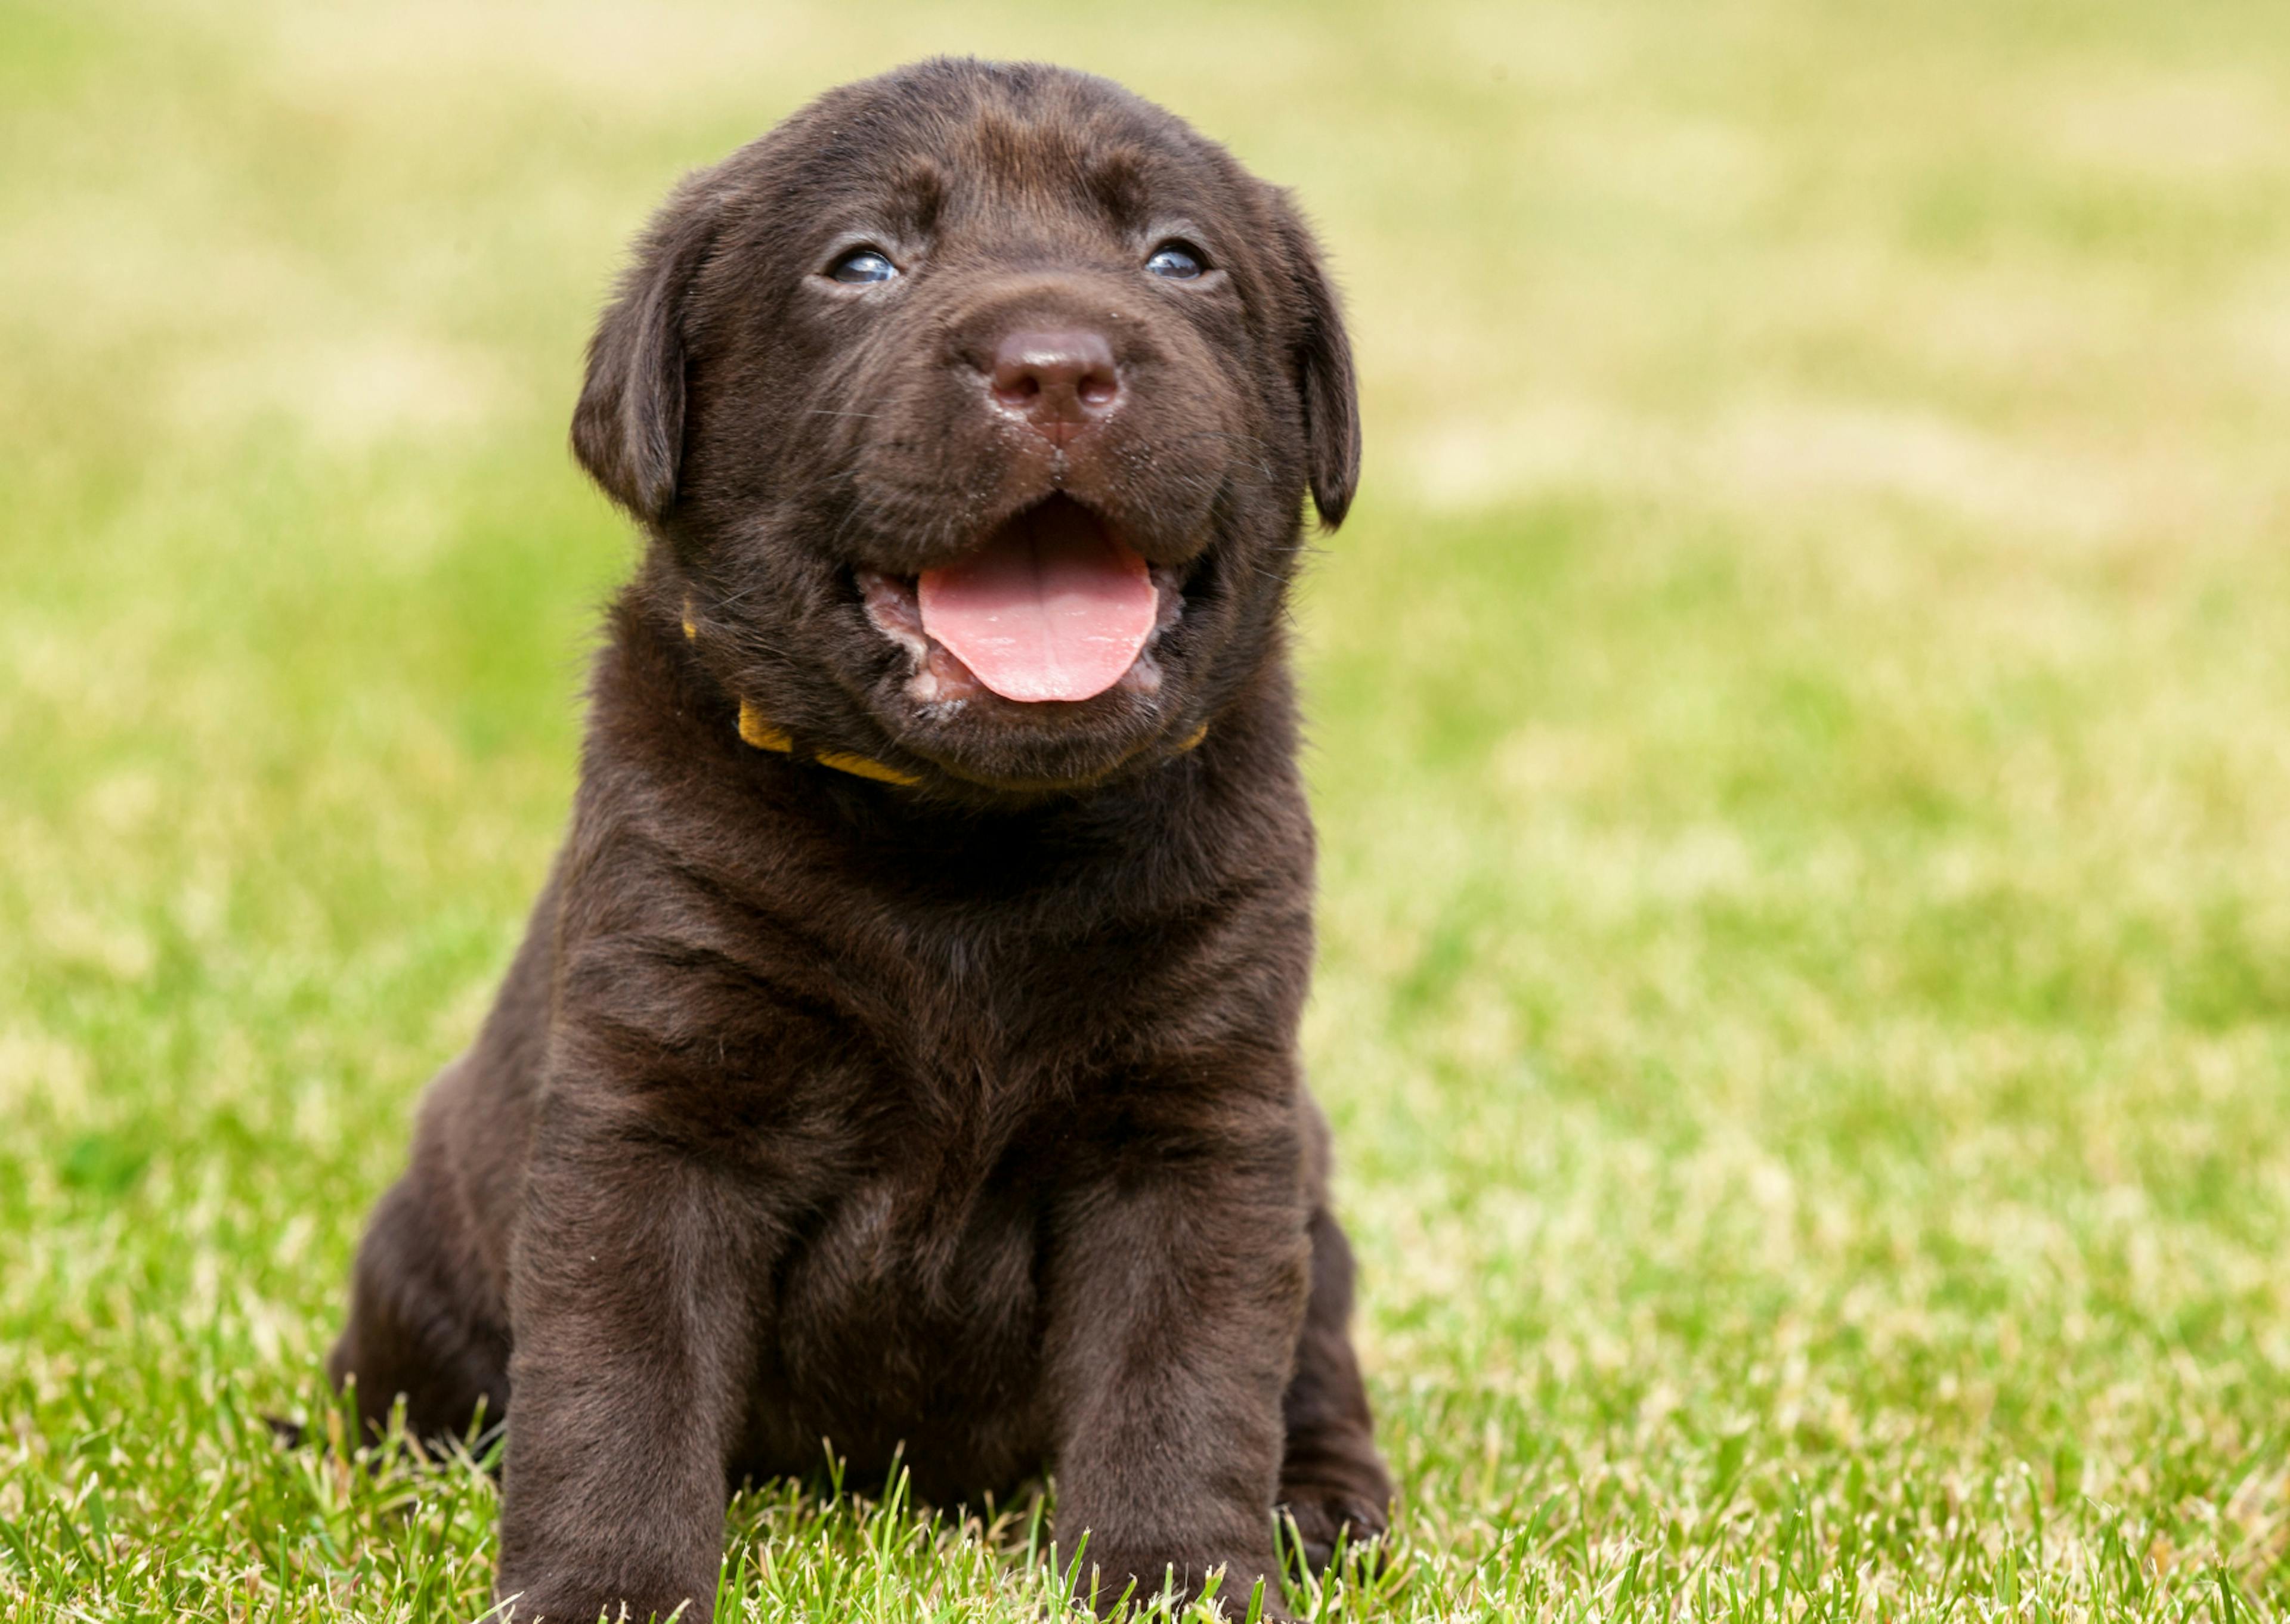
(1801,732)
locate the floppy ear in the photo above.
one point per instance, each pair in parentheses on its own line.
(1322,359)
(628,431)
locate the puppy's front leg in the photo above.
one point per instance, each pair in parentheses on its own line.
(1178,1290)
(633,1326)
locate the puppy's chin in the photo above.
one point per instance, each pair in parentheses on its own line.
(1070,761)
(977,737)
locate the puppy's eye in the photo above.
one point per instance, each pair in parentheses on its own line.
(1179,261)
(863,265)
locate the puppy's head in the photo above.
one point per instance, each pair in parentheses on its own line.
(972,412)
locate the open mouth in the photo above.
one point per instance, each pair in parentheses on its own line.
(1052,607)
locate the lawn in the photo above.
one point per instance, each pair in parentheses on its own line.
(1801,734)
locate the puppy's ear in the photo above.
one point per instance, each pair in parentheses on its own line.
(628,431)
(1322,356)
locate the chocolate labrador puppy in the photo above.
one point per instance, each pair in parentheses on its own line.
(902,1053)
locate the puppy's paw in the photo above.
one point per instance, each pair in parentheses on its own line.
(1325,1512)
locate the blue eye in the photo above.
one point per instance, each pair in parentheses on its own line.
(1179,261)
(863,265)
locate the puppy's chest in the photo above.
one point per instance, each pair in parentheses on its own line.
(982,1068)
(992,1005)
(927,1223)
(923,1257)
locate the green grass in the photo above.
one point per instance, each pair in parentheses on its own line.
(1801,734)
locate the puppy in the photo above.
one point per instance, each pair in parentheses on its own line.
(902,1053)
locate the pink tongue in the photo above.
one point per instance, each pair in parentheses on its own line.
(1052,608)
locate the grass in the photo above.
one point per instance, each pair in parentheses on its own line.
(1802,738)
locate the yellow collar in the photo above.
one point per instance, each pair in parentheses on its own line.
(755,731)
(764,736)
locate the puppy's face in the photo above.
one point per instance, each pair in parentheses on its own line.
(973,411)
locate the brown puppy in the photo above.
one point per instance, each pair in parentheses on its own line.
(903,1051)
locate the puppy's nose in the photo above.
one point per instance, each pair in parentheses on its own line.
(1058,383)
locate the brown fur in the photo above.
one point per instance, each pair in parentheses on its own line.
(965,1116)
